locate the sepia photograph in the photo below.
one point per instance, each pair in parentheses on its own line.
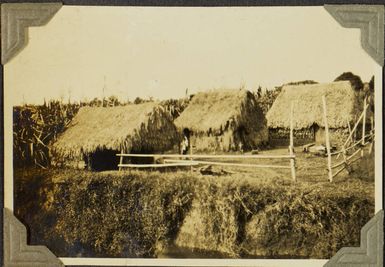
(193,133)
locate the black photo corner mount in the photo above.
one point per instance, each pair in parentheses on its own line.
(17,17)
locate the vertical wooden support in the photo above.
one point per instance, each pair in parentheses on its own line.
(351,139)
(291,147)
(190,150)
(350,133)
(121,159)
(346,163)
(327,140)
(363,129)
(371,124)
(372,134)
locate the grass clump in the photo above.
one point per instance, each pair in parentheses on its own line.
(312,222)
(140,214)
(128,215)
(276,219)
(116,214)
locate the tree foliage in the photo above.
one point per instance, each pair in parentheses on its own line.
(355,80)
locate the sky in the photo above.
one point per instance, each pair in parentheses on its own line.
(159,52)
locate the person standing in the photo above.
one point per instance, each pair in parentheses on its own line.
(184,145)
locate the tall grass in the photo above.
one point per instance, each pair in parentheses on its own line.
(139,214)
(34,127)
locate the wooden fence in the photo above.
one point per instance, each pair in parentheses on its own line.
(190,160)
(349,151)
(176,160)
(351,147)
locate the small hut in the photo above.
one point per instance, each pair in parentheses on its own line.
(97,134)
(344,106)
(223,120)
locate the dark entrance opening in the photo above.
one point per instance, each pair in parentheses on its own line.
(241,139)
(186,132)
(102,160)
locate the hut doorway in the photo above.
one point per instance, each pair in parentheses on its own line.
(102,160)
(240,138)
(319,134)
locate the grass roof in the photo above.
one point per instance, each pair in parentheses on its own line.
(141,127)
(216,110)
(343,105)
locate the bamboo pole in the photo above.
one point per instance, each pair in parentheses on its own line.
(351,138)
(350,132)
(352,155)
(354,160)
(327,140)
(363,128)
(337,172)
(371,124)
(348,148)
(355,127)
(120,160)
(195,162)
(211,156)
(291,147)
(338,164)
(190,146)
(343,162)
(346,163)
(157,165)
(345,159)
(372,133)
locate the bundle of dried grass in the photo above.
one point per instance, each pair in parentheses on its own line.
(142,127)
(343,105)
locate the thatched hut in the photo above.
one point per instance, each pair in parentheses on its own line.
(223,120)
(96,134)
(344,106)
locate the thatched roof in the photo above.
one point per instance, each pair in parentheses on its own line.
(133,127)
(217,110)
(343,105)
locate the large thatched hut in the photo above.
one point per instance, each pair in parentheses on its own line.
(223,120)
(97,134)
(344,106)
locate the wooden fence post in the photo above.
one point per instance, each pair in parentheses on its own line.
(291,147)
(121,159)
(363,129)
(191,159)
(372,134)
(327,141)
(354,129)
(350,132)
(346,163)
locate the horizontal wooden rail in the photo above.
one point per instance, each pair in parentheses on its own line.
(352,155)
(157,165)
(232,164)
(337,172)
(346,163)
(353,145)
(210,156)
(338,164)
(354,160)
(348,148)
